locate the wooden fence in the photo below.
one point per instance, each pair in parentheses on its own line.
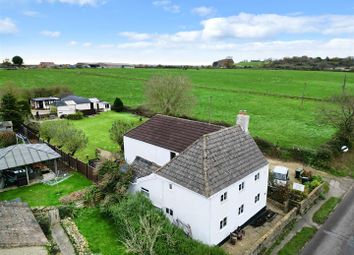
(74,163)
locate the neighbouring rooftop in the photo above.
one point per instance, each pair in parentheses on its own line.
(171,133)
(25,154)
(18,227)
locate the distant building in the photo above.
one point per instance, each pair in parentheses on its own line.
(46,64)
(43,103)
(224,63)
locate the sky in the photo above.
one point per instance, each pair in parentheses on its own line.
(178,32)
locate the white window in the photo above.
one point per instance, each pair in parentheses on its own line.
(145,192)
(241,186)
(223,223)
(223,197)
(256,177)
(256,198)
(240,210)
(170,186)
(169,211)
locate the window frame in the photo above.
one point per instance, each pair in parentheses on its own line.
(241,186)
(223,223)
(223,197)
(241,209)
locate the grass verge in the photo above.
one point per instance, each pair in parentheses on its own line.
(99,232)
(325,210)
(295,245)
(45,195)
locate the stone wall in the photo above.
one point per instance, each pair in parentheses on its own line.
(79,242)
(306,204)
(269,238)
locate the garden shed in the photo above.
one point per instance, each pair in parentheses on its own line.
(20,156)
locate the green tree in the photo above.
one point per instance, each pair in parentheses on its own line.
(17,60)
(76,140)
(170,95)
(118,105)
(118,129)
(48,129)
(10,111)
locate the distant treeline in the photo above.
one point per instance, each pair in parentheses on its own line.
(308,63)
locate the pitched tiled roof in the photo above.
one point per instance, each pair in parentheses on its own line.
(215,161)
(171,133)
(142,167)
(25,154)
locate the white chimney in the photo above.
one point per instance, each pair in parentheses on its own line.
(243,120)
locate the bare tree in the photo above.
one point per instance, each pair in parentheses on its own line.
(341,115)
(170,95)
(142,240)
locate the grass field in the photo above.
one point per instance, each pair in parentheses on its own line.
(264,93)
(295,245)
(99,232)
(45,195)
(325,210)
(97,129)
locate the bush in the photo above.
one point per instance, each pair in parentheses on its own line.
(67,211)
(130,217)
(118,105)
(7,138)
(75,116)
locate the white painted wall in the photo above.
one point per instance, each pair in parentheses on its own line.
(65,110)
(204,214)
(189,207)
(235,198)
(134,148)
(86,106)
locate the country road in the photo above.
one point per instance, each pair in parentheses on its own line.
(336,236)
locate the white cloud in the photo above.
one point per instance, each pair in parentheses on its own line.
(7,26)
(247,25)
(76,2)
(87,44)
(136,36)
(53,34)
(167,5)
(72,43)
(30,13)
(204,11)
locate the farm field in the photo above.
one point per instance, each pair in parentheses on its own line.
(266,94)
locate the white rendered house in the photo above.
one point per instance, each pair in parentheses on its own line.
(212,182)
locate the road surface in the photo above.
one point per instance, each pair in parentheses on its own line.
(336,236)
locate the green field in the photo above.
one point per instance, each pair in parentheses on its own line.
(45,195)
(265,94)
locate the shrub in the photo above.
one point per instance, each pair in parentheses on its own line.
(139,222)
(7,138)
(67,211)
(75,116)
(118,105)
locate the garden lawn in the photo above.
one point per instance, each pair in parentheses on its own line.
(99,232)
(325,210)
(45,195)
(295,245)
(97,129)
